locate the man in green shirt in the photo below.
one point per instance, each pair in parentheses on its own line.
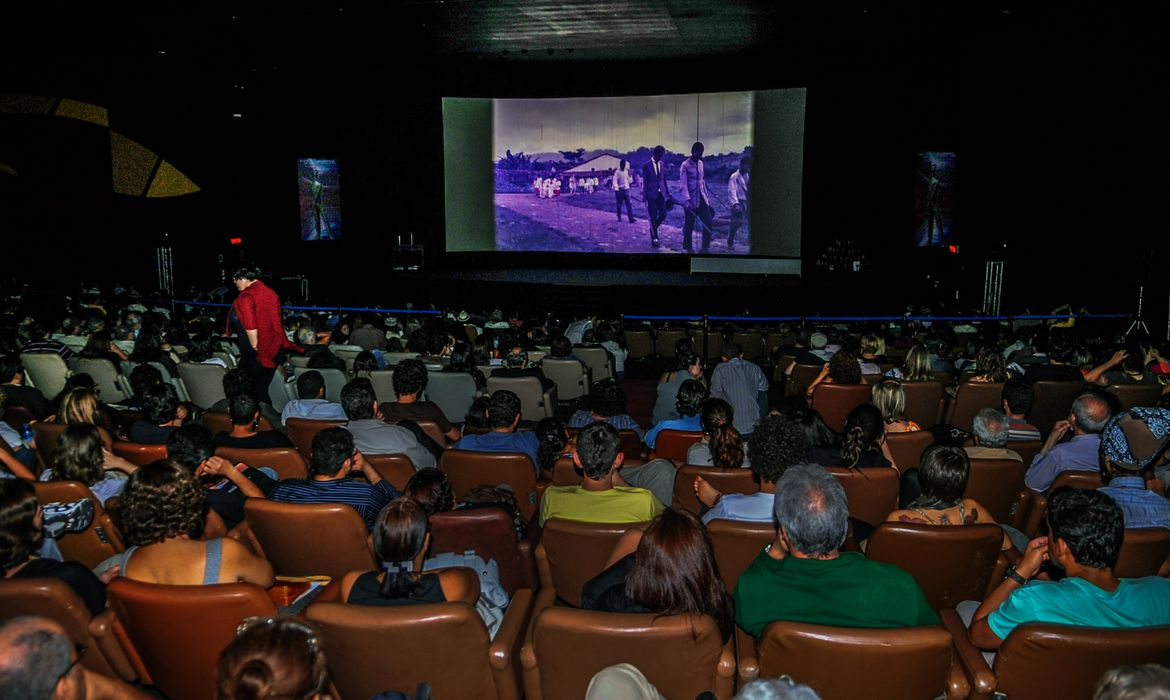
(805,577)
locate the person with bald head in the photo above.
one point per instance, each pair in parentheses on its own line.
(1087,418)
(39,662)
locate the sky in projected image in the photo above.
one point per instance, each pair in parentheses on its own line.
(723,121)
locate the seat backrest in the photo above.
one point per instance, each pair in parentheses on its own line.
(971,398)
(996,484)
(335,381)
(54,599)
(221,422)
(678,654)
(912,662)
(179,631)
(640,344)
(872,492)
(907,448)
(46,435)
(319,539)
(923,402)
(431,429)
(204,383)
(532,403)
(1026,449)
(737,480)
(467,469)
(301,432)
(17,416)
(139,453)
(397,469)
(673,444)
(1143,552)
(950,563)
(1052,402)
(1060,661)
(105,378)
(802,377)
(286,461)
(491,533)
(835,401)
(97,542)
(665,340)
(372,648)
(383,382)
(1078,480)
(598,361)
(569,376)
(1132,395)
(452,392)
(737,544)
(751,342)
(570,553)
(46,371)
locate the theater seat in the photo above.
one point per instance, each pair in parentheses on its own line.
(971,398)
(907,448)
(835,401)
(535,402)
(738,480)
(138,453)
(302,539)
(673,444)
(951,563)
(737,544)
(998,485)
(491,533)
(872,492)
(397,469)
(467,469)
(286,461)
(96,543)
(301,432)
(1144,552)
(570,553)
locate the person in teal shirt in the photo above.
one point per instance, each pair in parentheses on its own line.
(805,577)
(1086,528)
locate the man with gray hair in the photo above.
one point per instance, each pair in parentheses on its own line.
(990,428)
(803,576)
(38,662)
(1085,422)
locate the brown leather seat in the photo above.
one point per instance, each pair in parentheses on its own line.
(303,539)
(631,446)
(570,553)
(803,376)
(54,599)
(1132,395)
(951,563)
(286,461)
(1026,449)
(1078,480)
(220,422)
(737,543)
(397,469)
(843,662)
(565,473)
(907,448)
(1143,552)
(971,398)
(1053,402)
(178,632)
(301,431)
(924,402)
(835,401)
(673,444)
(1054,661)
(467,469)
(16,416)
(96,543)
(872,492)
(998,485)
(46,435)
(737,480)
(491,533)
(373,649)
(431,428)
(139,454)
(682,655)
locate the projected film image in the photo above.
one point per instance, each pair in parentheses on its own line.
(934,220)
(320,199)
(663,174)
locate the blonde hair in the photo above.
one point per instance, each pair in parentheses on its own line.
(79,406)
(917,367)
(890,398)
(873,344)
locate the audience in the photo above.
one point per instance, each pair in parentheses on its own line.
(38,660)
(272,658)
(12,383)
(373,435)
(990,431)
(1133,444)
(79,456)
(410,379)
(890,398)
(1018,396)
(690,366)
(161,416)
(503,417)
(743,385)
(311,403)
(722,445)
(863,444)
(688,404)
(776,445)
(1086,420)
(607,403)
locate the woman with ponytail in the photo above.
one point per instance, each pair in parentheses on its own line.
(722,445)
(863,443)
(272,658)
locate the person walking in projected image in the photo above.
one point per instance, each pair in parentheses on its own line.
(697,202)
(621,190)
(737,192)
(655,192)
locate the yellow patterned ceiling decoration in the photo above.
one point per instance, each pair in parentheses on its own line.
(136,170)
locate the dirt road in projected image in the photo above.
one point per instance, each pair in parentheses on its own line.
(587,229)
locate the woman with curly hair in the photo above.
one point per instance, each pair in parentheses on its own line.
(80,456)
(554,442)
(722,445)
(774,445)
(842,368)
(989,367)
(668,569)
(161,515)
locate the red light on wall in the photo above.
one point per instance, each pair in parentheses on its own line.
(238,241)
(953,249)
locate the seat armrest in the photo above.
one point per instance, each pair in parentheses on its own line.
(748,655)
(1036,512)
(101,628)
(979,674)
(1023,506)
(725,670)
(527,548)
(513,630)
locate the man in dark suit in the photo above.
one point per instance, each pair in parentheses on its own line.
(655,192)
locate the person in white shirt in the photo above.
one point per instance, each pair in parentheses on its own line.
(572,184)
(621,190)
(311,403)
(737,192)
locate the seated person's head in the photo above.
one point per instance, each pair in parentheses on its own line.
(561,346)
(332,447)
(1136,682)
(553,437)
(143,377)
(410,378)
(942,475)
(1091,413)
(401,535)
(310,385)
(691,397)
(991,428)
(504,409)
(358,399)
(844,368)
(477,413)
(775,445)
(598,449)
(78,455)
(38,660)
(160,404)
(731,350)
(812,510)
(161,501)
(238,381)
(890,398)
(724,441)
(606,399)
(1018,395)
(1090,525)
(431,489)
(244,409)
(272,658)
(10,367)
(190,446)
(79,406)
(306,336)
(20,523)
(863,432)
(517,358)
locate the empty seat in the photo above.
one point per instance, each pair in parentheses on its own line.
(601,365)
(318,539)
(640,344)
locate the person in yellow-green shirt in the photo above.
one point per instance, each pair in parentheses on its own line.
(603,496)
